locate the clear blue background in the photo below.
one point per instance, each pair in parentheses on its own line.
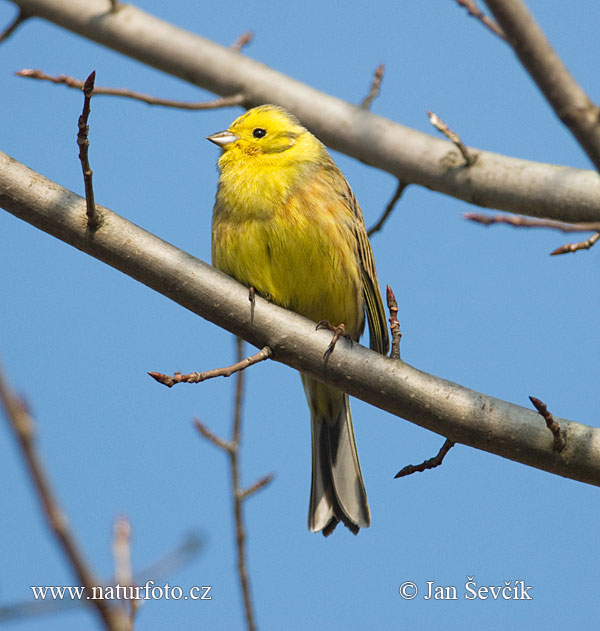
(487,308)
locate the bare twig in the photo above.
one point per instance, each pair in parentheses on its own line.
(240,533)
(436,461)
(394,324)
(23,427)
(551,423)
(257,486)
(518,221)
(114,6)
(197,377)
(226,101)
(375,87)
(439,124)
(575,247)
(529,222)
(243,40)
(232,448)
(84,144)
(378,225)
(476,12)
(123,569)
(21,16)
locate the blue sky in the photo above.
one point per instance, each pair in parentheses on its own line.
(487,308)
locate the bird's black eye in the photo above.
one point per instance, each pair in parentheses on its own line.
(259,132)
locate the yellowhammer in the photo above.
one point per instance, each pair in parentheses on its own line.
(287,224)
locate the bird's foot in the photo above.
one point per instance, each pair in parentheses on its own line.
(338,331)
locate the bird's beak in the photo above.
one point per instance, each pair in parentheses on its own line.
(223,138)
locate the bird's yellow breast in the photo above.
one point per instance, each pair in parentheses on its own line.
(288,235)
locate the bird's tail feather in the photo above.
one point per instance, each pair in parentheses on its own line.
(337,489)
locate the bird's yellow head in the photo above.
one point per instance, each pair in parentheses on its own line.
(269,135)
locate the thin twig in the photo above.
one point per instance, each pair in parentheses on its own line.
(257,486)
(84,144)
(388,209)
(226,101)
(375,87)
(518,221)
(551,423)
(441,126)
(197,377)
(240,533)
(476,12)
(394,324)
(530,222)
(436,461)
(123,568)
(575,247)
(243,40)
(23,427)
(219,442)
(21,16)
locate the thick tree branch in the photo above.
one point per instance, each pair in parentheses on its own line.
(495,181)
(569,101)
(460,414)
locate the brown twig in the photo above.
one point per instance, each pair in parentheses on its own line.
(21,16)
(551,423)
(378,225)
(226,101)
(257,486)
(394,324)
(243,40)
(439,124)
(375,88)
(197,377)
(123,569)
(518,221)
(232,448)
(436,461)
(23,427)
(474,11)
(114,6)
(84,144)
(575,247)
(530,222)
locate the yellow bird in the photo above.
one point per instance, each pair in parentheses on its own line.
(286,223)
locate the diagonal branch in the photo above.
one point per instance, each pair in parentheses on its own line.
(535,189)
(569,101)
(22,425)
(460,414)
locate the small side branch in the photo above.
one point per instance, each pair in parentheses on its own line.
(474,11)
(84,144)
(551,423)
(232,449)
(23,427)
(388,209)
(394,324)
(439,124)
(436,461)
(226,101)
(243,40)
(197,377)
(375,87)
(22,15)
(575,247)
(518,221)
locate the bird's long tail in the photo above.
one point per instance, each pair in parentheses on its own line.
(337,490)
